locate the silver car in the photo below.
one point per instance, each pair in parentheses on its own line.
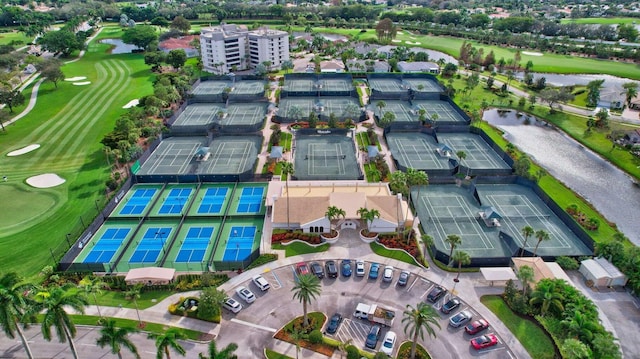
(460,319)
(246,294)
(387,275)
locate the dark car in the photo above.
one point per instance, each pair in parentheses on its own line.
(436,293)
(334,323)
(345,268)
(476,326)
(374,270)
(403,278)
(373,337)
(450,306)
(316,269)
(332,270)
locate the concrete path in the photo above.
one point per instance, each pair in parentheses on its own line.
(32,99)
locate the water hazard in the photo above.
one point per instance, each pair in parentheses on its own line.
(609,189)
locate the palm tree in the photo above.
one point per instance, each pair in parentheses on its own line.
(225,353)
(342,346)
(525,275)
(116,338)
(296,335)
(13,305)
(134,294)
(368,215)
(415,178)
(418,320)
(380,105)
(286,168)
(547,296)
(454,240)
(542,235)
(168,340)
(52,302)
(334,213)
(427,241)
(581,327)
(527,231)
(306,289)
(462,258)
(630,91)
(462,156)
(93,286)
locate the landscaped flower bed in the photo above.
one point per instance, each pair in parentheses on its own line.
(316,321)
(392,240)
(287,236)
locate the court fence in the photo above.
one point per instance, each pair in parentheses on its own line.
(281,117)
(235,265)
(316,90)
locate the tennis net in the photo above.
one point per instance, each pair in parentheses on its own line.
(313,157)
(475,219)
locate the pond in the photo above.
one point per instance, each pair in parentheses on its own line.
(578,79)
(119,47)
(610,190)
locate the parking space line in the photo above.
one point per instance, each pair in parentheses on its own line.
(248,324)
(427,291)
(415,280)
(275,279)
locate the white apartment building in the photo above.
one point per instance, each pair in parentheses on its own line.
(228,48)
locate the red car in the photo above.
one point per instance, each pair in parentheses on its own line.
(484,341)
(476,326)
(302,268)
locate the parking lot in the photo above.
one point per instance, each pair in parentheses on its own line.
(260,320)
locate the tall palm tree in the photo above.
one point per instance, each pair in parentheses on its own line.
(306,289)
(427,241)
(380,104)
(462,258)
(334,213)
(415,178)
(133,294)
(527,231)
(286,169)
(116,338)
(93,286)
(418,320)
(296,335)
(542,235)
(462,156)
(525,275)
(13,305)
(547,296)
(225,353)
(630,91)
(169,340)
(52,302)
(454,240)
(368,215)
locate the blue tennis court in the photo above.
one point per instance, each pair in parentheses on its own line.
(149,248)
(213,200)
(240,243)
(107,246)
(138,201)
(194,246)
(175,201)
(250,200)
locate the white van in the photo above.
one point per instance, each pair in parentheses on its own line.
(261,283)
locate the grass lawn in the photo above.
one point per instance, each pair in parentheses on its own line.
(531,336)
(69,131)
(270,354)
(7,37)
(155,328)
(298,248)
(602,20)
(394,254)
(111,298)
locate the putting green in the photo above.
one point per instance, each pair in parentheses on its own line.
(24,208)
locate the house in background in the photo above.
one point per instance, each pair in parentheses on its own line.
(612,98)
(418,66)
(332,66)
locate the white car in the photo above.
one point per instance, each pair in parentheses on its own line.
(261,283)
(388,343)
(387,275)
(246,294)
(360,268)
(232,305)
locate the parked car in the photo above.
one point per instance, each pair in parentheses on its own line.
(450,306)
(460,319)
(360,268)
(246,294)
(436,293)
(332,270)
(316,269)
(374,270)
(484,341)
(373,337)
(387,275)
(345,268)
(302,268)
(232,305)
(476,326)
(388,343)
(403,279)
(334,323)
(260,282)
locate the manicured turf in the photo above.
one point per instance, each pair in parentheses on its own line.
(7,37)
(68,123)
(156,328)
(394,254)
(298,248)
(147,299)
(602,20)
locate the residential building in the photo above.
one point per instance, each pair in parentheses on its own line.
(418,66)
(266,45)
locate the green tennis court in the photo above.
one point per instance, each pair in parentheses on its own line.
(231,155)
(244,114)
(416,150)
(207,88)
(247,87)
(137,201)
(249,199)
(199,114)
(174,156)
(387,85)
(211,200)
(444,111)
(325,157)
(299,84)
(173,201)
(107,243)
(403,110)
(422,85)
(334,84)
(239,237)
(194,245)
(296,109)
(341,107)
(479,155)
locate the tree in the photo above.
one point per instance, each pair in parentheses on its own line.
(525,275)
(427,241)
(11,98)
(168,340)
(553,96)
(133,293)
(462,258)
(306,289)
(418,320)
(462,156)
(627,32)
(13,305)
(160,21)
(547,296)
(62,41)
(176,58)
(573,348)
(210,303)
(334,213)
(387,119)
(580,326)
(527,231)
(154,59)
(286,168)
(116,338)
(415,178)
(398,183)
(181,24)
(140,36)
(541,235)
(260,70)
(93,286)
(380,105)
(287,66)
(454,240)
(297,335)
(52,73)
(593,92)
(224,353)
(630,91)
(386,30)
(51,302)
(342,346)
(295,113)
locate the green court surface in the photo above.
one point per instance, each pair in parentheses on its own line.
(403,110)
(247,88)
(211,88)
(244,114)
(479,154)
(299,85)
(444,111)
(198,114)
(174,156)
(305,105)
(387,85)
(416,150)
(107,243)
(149,245)
(339,106)
(194,244)
(249,199)
(329,85)
(211,200)
(239,237)
(422,85)
(325,157)
(231,155)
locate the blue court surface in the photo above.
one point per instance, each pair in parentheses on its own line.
(138,201)
(213,200)
(240,243)
(149,248)
(107,246)
(175,201)
(194,246)
(250,200)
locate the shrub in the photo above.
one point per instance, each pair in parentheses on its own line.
(567,263)
(352,352)
(315,337)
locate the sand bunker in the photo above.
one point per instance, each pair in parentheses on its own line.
(77,78)
(396,40)
(46,180)
(412,43)
(81,83)
(532,53)
(131,103)
(23,150)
